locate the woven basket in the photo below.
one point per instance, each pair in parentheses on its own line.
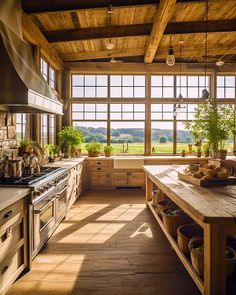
(197,258)
(186,233)
(171,222)
(161,205)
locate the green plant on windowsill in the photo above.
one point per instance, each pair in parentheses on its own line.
(108,150)
(93,148)
(71,139)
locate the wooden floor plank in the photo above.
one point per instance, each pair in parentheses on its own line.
(109,244)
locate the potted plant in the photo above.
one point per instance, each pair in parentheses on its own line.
(199,151)
(25,146)
(108,150)
(173,218)
(206,149)
(216,124)
(71,139)
(93,148)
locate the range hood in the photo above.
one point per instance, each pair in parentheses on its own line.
(22,87)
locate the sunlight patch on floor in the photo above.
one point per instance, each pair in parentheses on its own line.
(143,230)
(93,233)
(124,212)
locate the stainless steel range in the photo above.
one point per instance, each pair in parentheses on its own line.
(47,203)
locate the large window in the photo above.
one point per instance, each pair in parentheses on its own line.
(89,86)
(48,127)
(127,111)
(81,112)
(191,86)
(20,125)
(127,137)
(169,86)
(162,137)
(127,86)
(226,86)
(162,86)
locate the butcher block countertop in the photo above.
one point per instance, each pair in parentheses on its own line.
(9,195)
(208,205)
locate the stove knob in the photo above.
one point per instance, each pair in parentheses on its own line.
(37,193)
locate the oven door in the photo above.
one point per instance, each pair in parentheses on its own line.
(61,202)
(44,219)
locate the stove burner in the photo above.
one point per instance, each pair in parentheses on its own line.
(29,180)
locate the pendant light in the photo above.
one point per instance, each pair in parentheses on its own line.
(205,92)
(178,109)
(109,45)
(170,59)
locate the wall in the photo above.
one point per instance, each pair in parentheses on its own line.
(7,131)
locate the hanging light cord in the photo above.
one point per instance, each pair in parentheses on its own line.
(180,64)
(206,41)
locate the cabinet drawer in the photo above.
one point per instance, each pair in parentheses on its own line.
(97,169)
(98,163)
(9,267)
(10,237)
(119,179)
(11,215)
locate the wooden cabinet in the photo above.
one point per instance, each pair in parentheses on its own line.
(122,179)
(13,243)
(75,184)
(98,174)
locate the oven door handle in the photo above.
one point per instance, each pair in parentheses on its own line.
(38,211)
(62,191)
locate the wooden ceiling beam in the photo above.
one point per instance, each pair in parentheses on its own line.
(160,55)
(172,28)
(44,6)
(33,35)
(102,54)
(162,16)
(196,52)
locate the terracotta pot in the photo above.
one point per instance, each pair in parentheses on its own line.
(197,258)
(186,233)
(199,154)
(172,222)
(107,154)
(93,154)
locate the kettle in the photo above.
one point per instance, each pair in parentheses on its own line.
(11,168)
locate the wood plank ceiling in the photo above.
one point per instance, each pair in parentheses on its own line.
(80,30)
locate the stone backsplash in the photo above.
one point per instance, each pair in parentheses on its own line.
(7,132)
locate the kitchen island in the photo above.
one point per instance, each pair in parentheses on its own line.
(214,209)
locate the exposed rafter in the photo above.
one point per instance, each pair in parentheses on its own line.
(102,54)
(197,52)
(42,6)
(163,14)
(33,35)
(138,30)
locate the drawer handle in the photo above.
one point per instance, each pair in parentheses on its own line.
(99,163)
(99,168)
(8,214)
(5,269)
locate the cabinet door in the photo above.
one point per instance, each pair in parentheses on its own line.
(136,179)
(119,179)
(99,178)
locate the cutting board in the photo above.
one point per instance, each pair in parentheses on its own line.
(206,183)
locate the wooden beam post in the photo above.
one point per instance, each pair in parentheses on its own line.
(214,259)
(163,15)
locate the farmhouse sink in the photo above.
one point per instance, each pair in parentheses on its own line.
(128,162)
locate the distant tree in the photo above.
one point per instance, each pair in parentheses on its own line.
(163,139)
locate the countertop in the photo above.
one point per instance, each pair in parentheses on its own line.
(147,157)
(67,163)
(10,195)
